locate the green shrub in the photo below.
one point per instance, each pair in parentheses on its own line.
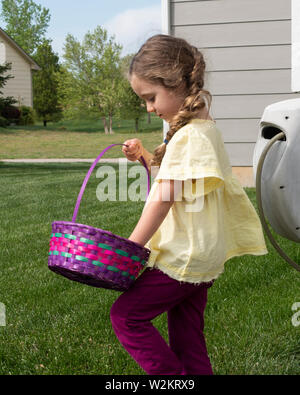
(27,116)
(11,113)
(3,122)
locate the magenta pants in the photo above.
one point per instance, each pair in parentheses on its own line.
(152,294)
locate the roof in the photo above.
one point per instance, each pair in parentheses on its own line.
(34,65)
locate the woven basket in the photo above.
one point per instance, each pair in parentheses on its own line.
(94,256)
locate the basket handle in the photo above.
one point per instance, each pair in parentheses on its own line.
(90,172)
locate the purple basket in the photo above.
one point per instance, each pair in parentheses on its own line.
(94,256)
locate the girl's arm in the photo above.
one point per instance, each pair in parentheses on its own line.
(133,150)
(147,156)
(155,211)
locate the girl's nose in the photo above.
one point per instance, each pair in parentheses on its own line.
(150,107)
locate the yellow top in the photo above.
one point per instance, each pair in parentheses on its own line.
(212,219)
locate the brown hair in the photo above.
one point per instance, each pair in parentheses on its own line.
(170,61)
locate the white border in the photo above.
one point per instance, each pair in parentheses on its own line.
(295,45)
(166,29)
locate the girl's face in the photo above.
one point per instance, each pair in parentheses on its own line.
(163,102)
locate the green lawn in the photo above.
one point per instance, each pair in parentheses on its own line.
(55,326)
(74,139)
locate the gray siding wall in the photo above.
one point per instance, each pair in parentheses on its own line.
(247,48)
(20,87)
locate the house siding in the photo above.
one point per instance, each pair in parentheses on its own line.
(20,87)
(247,48)
(2,52)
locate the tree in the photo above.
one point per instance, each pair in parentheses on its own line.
(26,22)
(4,68)
(45,83)
(94,65)
(4,77)
(72,103)
(131,106)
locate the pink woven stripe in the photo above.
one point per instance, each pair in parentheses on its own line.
(107,257)
(74,243)
(83,249)
(91,256)
(105,261)
(87,248)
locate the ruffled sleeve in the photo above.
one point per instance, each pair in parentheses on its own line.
(192,156)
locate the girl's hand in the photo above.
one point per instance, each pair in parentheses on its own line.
(133,149)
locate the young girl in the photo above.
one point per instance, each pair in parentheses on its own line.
(206,220)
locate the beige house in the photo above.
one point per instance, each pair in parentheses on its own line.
(20,87)
(247,45)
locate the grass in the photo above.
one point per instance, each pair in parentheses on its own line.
(74,139)
(55,326)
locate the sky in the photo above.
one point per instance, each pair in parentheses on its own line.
(131,21)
